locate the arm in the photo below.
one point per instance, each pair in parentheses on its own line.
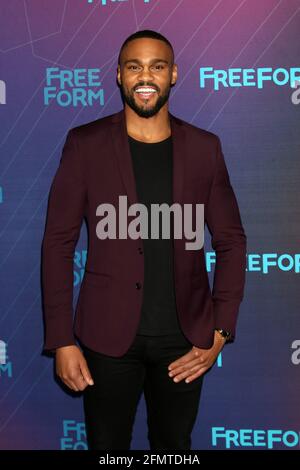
(229,242)
(64,219)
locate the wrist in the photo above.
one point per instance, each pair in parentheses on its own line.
(225,335)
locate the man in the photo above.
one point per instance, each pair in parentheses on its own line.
(146,319)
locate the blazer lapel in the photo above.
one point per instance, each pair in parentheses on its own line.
(179,151)
(122,152)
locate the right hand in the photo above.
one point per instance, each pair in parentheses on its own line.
(72,368)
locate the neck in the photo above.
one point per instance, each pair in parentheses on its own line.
(153,129)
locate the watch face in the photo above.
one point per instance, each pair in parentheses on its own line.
(224,333)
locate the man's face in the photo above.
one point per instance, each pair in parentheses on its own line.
(146,74)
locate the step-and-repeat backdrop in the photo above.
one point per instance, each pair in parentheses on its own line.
(238,63)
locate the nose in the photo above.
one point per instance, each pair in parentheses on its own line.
(145,74)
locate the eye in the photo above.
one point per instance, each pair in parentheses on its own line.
(132,66)
(159,66)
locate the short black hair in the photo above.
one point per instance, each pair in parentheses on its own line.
(145,33)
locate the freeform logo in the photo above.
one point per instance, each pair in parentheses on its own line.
(2,352)
(141,221)
(104,2)
(295,358)
(79,265)
(268,438)
(74,436)
(73,87)
(5,365)
(2,92)
(238,77)
(263,262)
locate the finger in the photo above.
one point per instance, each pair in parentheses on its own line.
(80,382)
(70,384)
(187,373)
(183,359)
(73,387)
(199,361)
(192,377)
(86,373)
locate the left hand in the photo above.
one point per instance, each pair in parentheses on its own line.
(196,361)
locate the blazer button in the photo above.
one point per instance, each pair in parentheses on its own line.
(140,250)
(138,285)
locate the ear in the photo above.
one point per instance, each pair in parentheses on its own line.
(174,74)
(119,75)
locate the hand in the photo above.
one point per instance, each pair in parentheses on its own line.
(196,361)
(72,368)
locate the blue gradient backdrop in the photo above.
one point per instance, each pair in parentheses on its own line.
(256,383)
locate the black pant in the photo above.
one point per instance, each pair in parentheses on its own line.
(110,404)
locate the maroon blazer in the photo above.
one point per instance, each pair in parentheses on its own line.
(96,168)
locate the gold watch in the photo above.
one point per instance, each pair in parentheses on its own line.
(225,334)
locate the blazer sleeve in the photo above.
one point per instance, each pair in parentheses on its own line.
(229,243)
(65,214)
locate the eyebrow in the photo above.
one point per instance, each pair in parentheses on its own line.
(139,62)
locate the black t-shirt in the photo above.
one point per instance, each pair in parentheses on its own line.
(152,165)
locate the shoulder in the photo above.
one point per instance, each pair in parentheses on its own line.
(93,128)
(195,133)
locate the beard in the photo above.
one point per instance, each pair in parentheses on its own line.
(144,110)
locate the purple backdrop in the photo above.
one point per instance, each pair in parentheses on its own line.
(252,393)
